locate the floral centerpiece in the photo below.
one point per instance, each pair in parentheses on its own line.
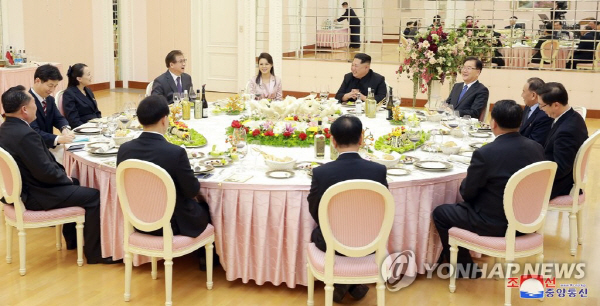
(291,132)
(397,116)
(432,55)
(231,106)
(397,141)
(480,41)
(290,106)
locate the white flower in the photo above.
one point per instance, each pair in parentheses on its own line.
(425,44)
(301,126)
(413,56)
(435,36)
(253,125)
(432,61)
(279,127)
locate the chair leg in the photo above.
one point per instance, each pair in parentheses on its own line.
(311,286)
(328,294)
(128,267)
(154,272)
(8,243)
(380,293)
(22,252)
(573,233)
(58,236)
(79,230)
(453,259)
(580,226)
(209,265)
(507,291)
(169,280)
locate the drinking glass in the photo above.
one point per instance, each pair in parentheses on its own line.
(192,93)
(313,93)
(112,125)
(456,114)
(239,141)
(466,125)
(397,100)
(324,93)
(176,98)
(414,136)
(449,110)
(254,145)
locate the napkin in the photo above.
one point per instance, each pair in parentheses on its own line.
(460,159)
(105,147)
(81,138)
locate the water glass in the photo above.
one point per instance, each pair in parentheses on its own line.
(176,98)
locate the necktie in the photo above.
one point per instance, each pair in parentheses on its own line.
(526,111)
(530,112)
(44,106)
(462,93)
(179,88)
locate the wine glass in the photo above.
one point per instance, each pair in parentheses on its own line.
(112,125)
(240,141)
(176,98)
(449,110)
(440,106)
(414,136)
(192,94)
(466,125)
(324,94)
(254,145)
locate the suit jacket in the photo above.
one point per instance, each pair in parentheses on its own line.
(348,166)
(165,86)
(473,102)
(537,126)
(272,91)
(491,166)
(517,26)
(188,217)
(374,80)
(44,124)
(586,47)
(562,144)
(351,16)
(43,178)
(79,108)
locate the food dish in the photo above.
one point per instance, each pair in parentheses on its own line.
(99,151)
(407,160)
(477,145)
(202,168)
(217,161)
(480,134)
(307,165)
(280,174)
(88,130)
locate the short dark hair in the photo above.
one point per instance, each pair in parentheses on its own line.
(514,17)
(469,16)
(346,130)
(507,114)
(47,72)
(553,92)
(344,3)
(363,57)
(172,57)
(549,26)
(152,109)
(409,23)
(74,72)
(437,18)
(535,84)
(478,63)
(14,98)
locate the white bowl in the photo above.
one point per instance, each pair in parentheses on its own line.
(388,162)
(450,150)
(121,140)
(274,165)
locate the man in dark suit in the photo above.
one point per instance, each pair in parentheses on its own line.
(356,84)
(354,22)
(482,190)
(175,79)
(513,24)
(586,48)
(45,184)
(536,124)
(537,56)
(190,218)
(46,79)
(469,97)
(567,134)
(346,134)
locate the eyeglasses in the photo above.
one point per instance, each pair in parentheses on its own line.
(467,68)
(182,61)
(542,106)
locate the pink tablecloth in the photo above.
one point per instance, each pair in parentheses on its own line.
(262,230)
(334,38)
(10,77)
(519,57)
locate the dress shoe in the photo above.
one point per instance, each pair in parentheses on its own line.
(358,291)
(339,291)
(71,246)
(106,261)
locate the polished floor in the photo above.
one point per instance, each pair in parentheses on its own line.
(53,277)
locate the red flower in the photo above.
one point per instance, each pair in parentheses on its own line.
(247,129)
(256,132)
(269,133)
(295,118)
(327,135)
(326,130)
(287,134)
(302,136)
(236,124)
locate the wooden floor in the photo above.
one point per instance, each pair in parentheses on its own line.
(53,277)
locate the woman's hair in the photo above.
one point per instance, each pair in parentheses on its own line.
(74,72)
(269,59)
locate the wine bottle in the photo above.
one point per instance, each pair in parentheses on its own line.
(186,106)
(390,105)
(319,145)
(24,55)
(197,106)
(204,102)
(371,105)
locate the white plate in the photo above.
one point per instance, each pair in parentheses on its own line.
(110,151)
(280,174)
(202,168)
(307,165)
(353,111)
(408,160)
(480,134)
(217,161)
(466,154)
(398,171)
(95,145)
(88,130)
(476,145)
(433,165)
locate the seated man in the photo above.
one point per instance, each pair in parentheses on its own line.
(567,134)
(491,167)
(585,50)
(537,56)
(356,83)
(46,79)
(190,218)
(45,184)
(174,79)
(469,97)
(346,137)
(536,124)
(513,24)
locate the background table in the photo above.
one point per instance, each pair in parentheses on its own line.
(263,226)
(519,57)
(334,38)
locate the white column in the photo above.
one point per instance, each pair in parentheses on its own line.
(275,34)
(12,26)
(126,43)
(246,41)
(197,43)
(102,32)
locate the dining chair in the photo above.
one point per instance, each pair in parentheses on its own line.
(356,218)
(59,101)
(548,51)
(595,65)
(17,216)
(149,88)
(525,204)
(573,202)
(147,195)
(581,110)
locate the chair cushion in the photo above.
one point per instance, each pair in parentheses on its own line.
(149,242)
(566,200)
(522,243)
(44,215)
(344,266)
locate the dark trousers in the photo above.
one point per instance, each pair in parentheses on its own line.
(88,199)
(355,36)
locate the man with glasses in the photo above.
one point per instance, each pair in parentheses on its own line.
(470,97)
(175,80)
(356,84)
(567,134)
(536,124)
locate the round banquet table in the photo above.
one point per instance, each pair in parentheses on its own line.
(519,57)
(263,226)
